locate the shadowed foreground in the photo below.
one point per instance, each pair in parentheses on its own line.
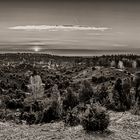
(123,126)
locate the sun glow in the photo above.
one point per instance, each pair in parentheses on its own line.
(36,49)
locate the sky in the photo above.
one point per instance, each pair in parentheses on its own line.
(69,24)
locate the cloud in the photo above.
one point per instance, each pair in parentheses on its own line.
(120,45)
(58,27)
(100,34)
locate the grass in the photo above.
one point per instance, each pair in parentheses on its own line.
(123,126)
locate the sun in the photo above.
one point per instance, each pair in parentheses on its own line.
(36,49)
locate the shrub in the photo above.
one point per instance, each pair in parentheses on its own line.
(20,94)
(136,109)
(72,118)
(66,84)
(53,112)
(29,117)
(7,114)
(14,104)
(37,106)
(118,97)
(93,68)
(102,79)
(95,118)
(70,100)
(68,72)
(32,117)
(94,79)
(103,96)
(121,95)
(86,92)
(112,78)
(2,114)
(26,108)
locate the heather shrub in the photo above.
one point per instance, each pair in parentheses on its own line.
(95,118)
(103,96)
(121,95)
(94,79)
(40,115)
(102,79)
(136,108)
(52,112)
(126,84)
(72,118)
(29,117)
(86,92)
(112,78)
(118,97)
(8,115)
(27,108)
(93,68)
(70,101)
(2,115)
(37,106)
(14,104)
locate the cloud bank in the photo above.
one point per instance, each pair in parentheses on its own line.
(120,45)
(59,27)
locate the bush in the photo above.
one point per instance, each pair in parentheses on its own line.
(37,106)
(121,95)
(95,118)
(70,100)
(103,96)
(53,112)
(8,115)
(136,109)
(102,79)
(29,117)
(14,104)
(112,78)
(94,79)
(72,118)
(93,68)
(2,115)
(86,92)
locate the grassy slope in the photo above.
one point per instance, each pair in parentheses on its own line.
(123,126)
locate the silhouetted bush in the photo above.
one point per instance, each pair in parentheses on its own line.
(93,68)
(121,95)
(29,117)
(70,100)
(112,78)
(72,118)
(95,118)
(102,79)
(136,109)
(103,96)
(53,112)
(2,115)
(14,104)
(94,79)
(86,92)
(36,106)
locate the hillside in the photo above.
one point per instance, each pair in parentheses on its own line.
(15,77)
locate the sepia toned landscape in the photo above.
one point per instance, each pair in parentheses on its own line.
(69,70)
